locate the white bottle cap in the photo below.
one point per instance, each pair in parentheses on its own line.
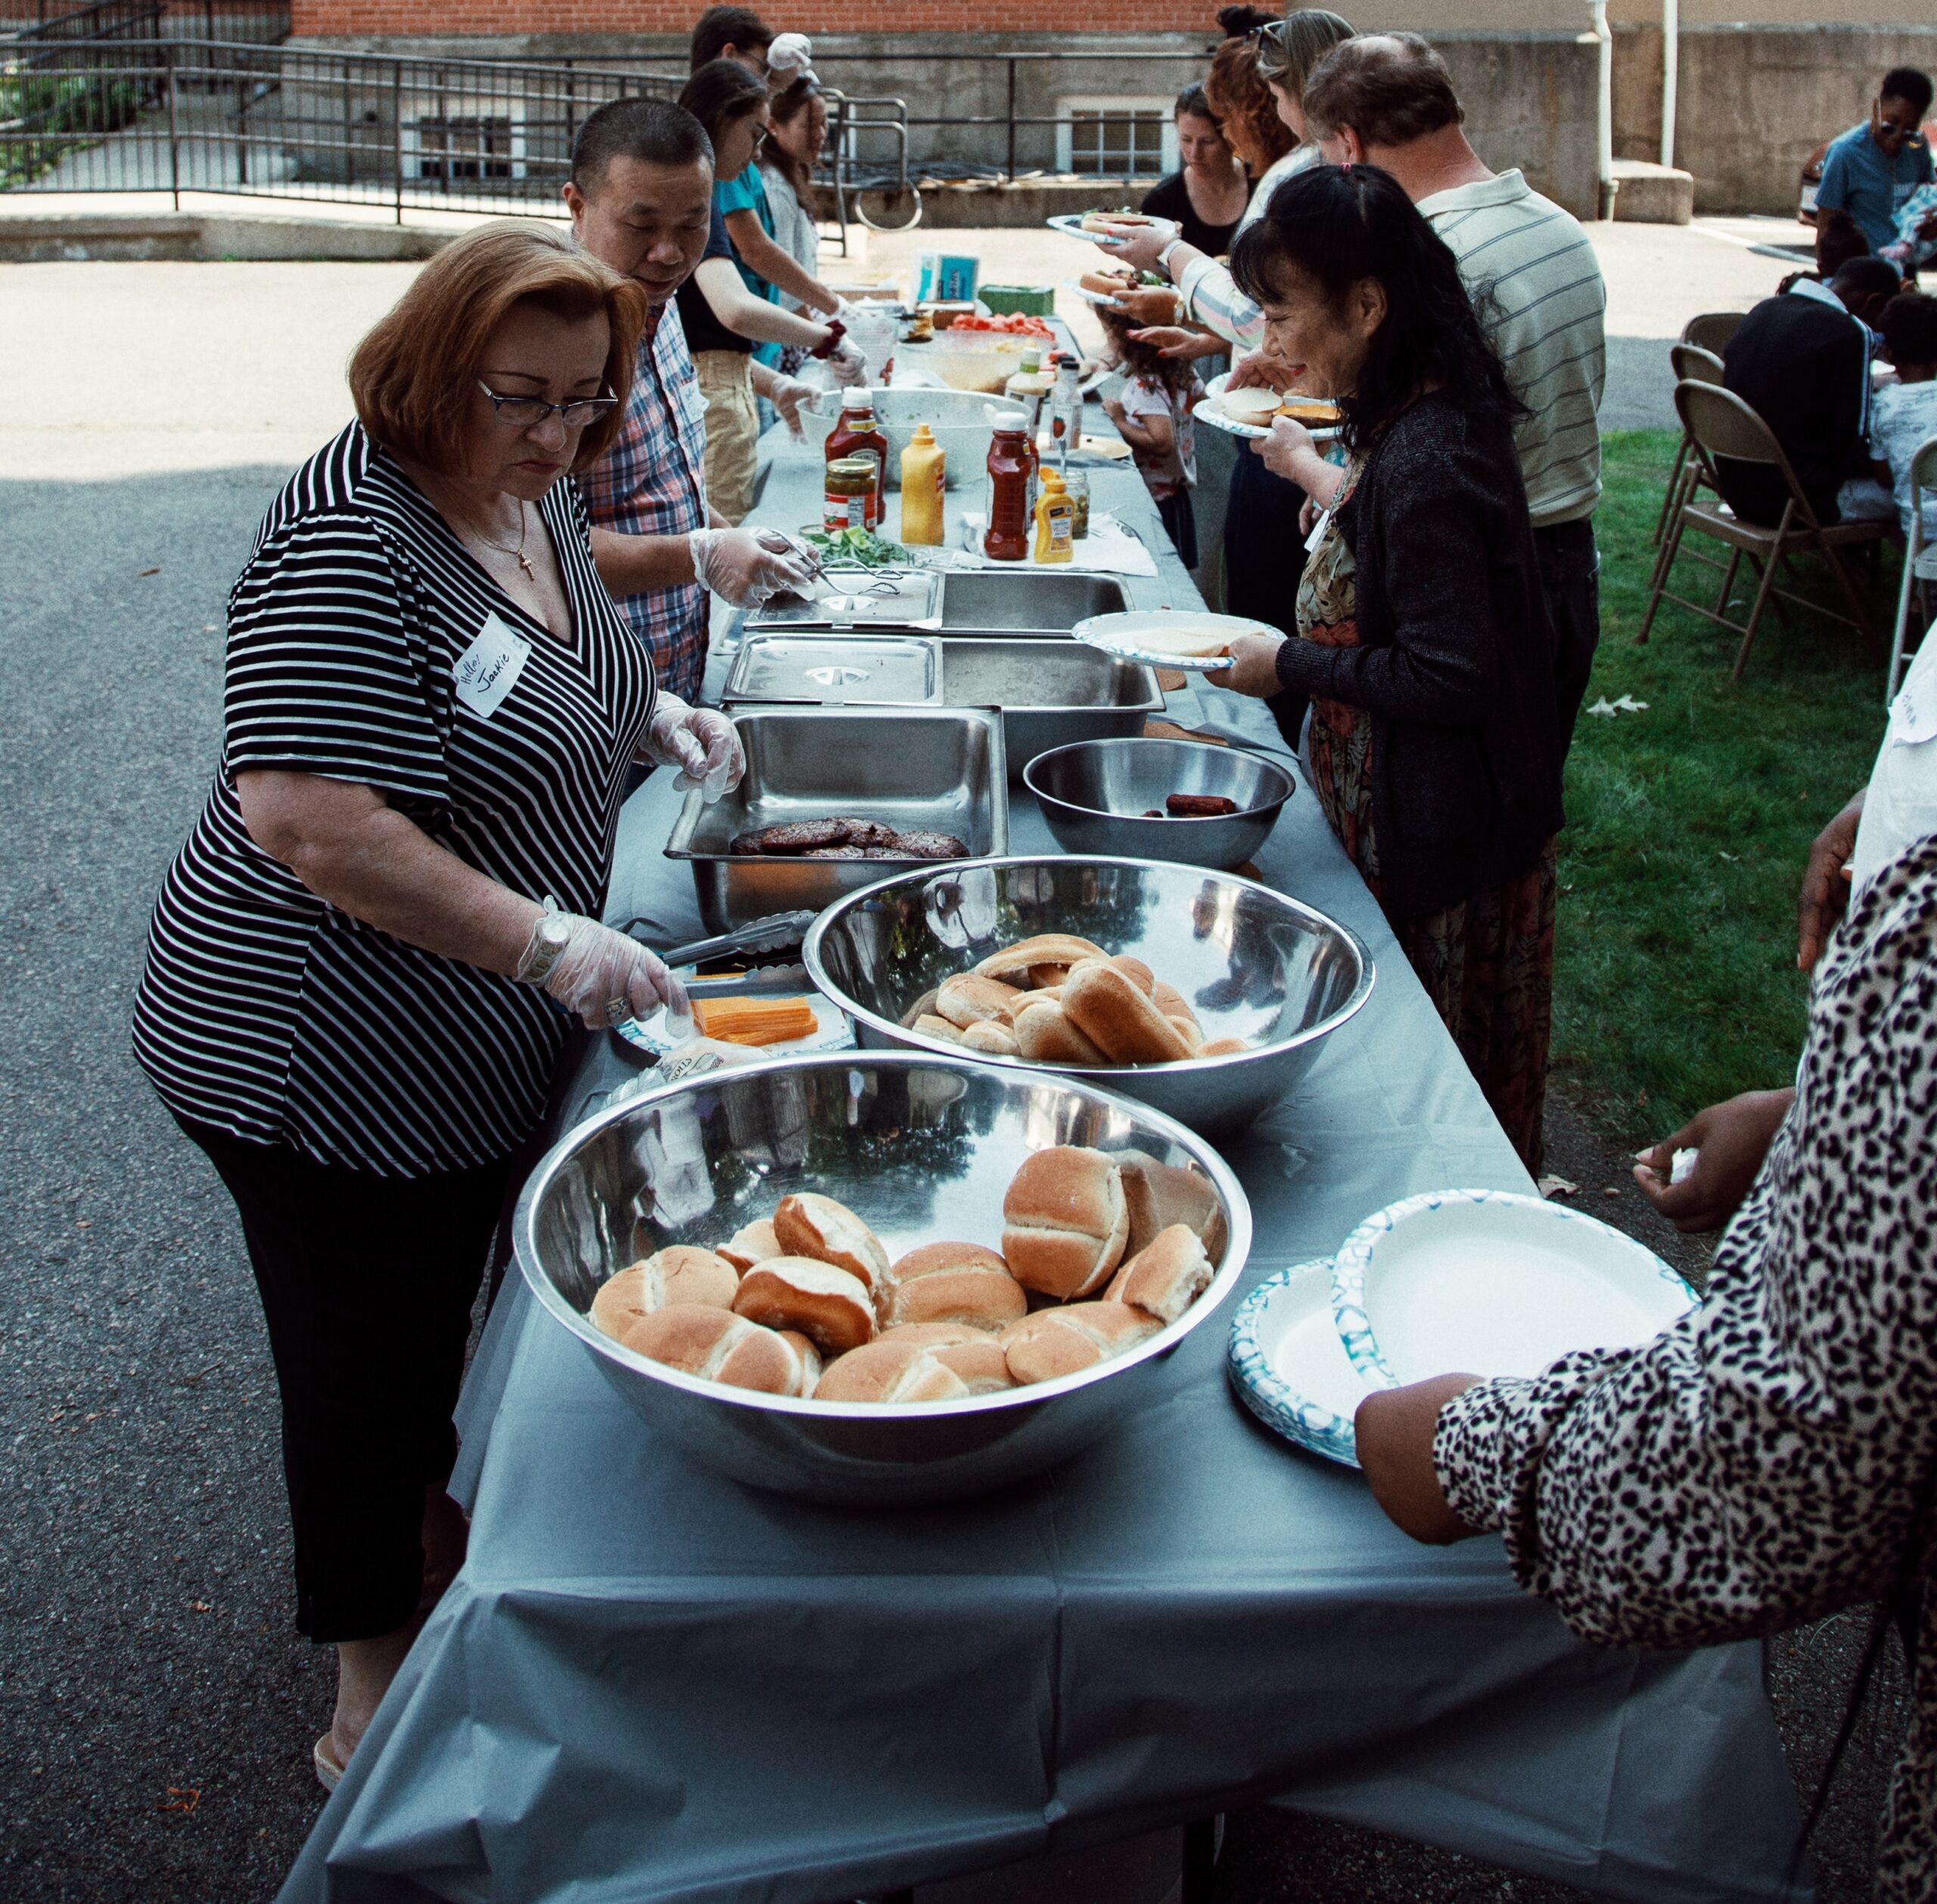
(999,419)
(862,399)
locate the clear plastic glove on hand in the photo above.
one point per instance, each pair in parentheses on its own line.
(849,365)
(607,978)
(787,394)
(702,743)
(745,570)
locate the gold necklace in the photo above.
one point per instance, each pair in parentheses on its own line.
(517,554)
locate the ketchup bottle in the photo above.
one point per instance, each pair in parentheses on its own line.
(1011,462)
(858,434)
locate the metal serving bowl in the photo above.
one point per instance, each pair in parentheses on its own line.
(1253,963)
(922,1149)
(1095,796)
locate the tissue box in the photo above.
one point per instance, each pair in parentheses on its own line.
(941,278)
(1031,300)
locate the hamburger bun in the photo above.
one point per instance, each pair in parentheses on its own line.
(1102,221)
(1250,405)
(1161,1194)
(750,1244)
(1056,1342)
(831,1308)
(959,1283)
(1066,1222)
(719,1346)
(891,1372)
(1165,1277)
(681,1274)
(811,1363)
(1106,1007)
(1316,412)
(810,1226)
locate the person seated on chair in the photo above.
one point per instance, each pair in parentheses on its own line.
(1839,239)
(1870,170)
(1902,417)
(1801,361)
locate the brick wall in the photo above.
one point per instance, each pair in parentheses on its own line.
(337,17)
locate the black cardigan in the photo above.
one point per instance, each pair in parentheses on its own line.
(1455,659)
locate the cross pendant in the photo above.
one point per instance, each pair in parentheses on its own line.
(524,563)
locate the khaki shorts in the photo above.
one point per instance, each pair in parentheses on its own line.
(732,429)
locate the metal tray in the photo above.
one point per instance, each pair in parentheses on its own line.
(1050,693)
(842,669)
(853,598)
(936,768)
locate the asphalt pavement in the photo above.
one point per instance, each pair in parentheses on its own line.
(156,1708)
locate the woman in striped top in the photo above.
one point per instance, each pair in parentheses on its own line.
(364,961)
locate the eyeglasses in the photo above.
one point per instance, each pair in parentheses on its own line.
(528,412)
(1269,54)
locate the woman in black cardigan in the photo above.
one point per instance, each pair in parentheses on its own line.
(1422,636)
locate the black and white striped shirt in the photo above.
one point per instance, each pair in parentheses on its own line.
(366,644)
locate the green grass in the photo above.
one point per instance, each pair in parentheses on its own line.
(1675,982)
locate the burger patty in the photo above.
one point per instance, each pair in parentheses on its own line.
(845,838)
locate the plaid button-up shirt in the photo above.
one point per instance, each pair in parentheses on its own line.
(650,483)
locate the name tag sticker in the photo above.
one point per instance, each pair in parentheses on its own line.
(488,670)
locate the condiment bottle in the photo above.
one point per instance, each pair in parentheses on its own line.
(858,434)
(924,483)
(847,491)
(1011,460)
(1028,387)
(1066,404)
(1055,521)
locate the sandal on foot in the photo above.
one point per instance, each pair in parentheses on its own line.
(329,1768)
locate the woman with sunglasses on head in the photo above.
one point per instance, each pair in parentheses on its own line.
(365,962)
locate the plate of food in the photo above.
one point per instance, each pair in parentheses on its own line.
(1289,1367)
(1251,411)
(1168,638)
(1094,226)
(1107,281)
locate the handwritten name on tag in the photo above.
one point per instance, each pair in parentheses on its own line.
(488,670)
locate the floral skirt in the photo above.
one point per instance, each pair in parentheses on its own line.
(1486,964)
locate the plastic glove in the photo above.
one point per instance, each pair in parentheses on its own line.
(787,394)
(702,743)
(849,365)
(789,57)
(745,568)
(607,978)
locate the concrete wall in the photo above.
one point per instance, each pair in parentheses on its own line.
(1752,103)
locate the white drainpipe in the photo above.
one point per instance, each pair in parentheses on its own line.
(1671,69)
(1597,12)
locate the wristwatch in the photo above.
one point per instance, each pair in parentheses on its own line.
(1163,256)
(549,938)
(836,330)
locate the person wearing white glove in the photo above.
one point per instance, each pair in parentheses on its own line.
(849,365)
(748,567)
(701,742)
(599,972)
(787,394)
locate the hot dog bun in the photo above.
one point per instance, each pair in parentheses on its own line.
(1047,1033)
(1106,1007)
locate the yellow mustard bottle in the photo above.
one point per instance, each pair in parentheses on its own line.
(924,482)
(1055,521)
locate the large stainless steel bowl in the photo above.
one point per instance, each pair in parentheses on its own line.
(923,1148)
(1095,795)
(1253,963)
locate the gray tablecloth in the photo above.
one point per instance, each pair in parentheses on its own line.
(650,1683)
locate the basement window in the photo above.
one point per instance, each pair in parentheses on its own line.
(1115,137)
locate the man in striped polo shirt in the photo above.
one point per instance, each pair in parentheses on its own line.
(1387,99)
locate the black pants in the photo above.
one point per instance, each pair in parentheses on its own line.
(1263,557)
(1180,521)
(367,1284)
(1570,580)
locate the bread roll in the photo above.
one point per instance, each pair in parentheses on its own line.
(1055,1342)
(1160,1194)
(1045,949)
(922,1007)
(1187,1028)
(968,999)
(1171,1002)
(831,1308)
(1066,1222)
(958,1283)
(750,1244)
(811,1363)
(891,1372)
(1165,1277)
(931,1026)
(977,1358)
(681,1274)
(810,1226)
(1250,405)
(1045,1032)
(1109,1010)
(1224,1048)
(1107,284)
(719,1346)
(998,1039)
(1047,978)
(1139,973)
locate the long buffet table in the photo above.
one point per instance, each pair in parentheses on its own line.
(650,1683)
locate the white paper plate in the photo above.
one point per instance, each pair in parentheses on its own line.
(1206,411)
(1128,635)
(1070,224)
(1288,1366)
(832,1031)
(1092,297)
(1488,1282)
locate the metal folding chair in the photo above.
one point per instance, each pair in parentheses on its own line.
(1711,329)
(1691,361)
(1720,424)
(1920,563)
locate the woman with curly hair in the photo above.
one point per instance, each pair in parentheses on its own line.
(1423,641)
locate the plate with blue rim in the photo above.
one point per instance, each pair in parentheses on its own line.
(1289,1367)
(1493,1282)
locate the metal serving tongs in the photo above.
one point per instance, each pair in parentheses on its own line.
(776,931)
(775,543)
